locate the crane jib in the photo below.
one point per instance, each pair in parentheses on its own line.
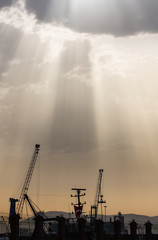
(27,179)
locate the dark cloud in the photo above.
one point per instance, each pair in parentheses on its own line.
(6,3)
(49,10)
(117,17)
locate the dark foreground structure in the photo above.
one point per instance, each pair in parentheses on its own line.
(81,229)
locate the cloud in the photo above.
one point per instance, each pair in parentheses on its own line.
(6,3)
(9,43)
(66,120)
(117,17)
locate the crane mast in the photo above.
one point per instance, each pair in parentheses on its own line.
(98,194)
(27,180)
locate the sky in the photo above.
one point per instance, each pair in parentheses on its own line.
(80,79)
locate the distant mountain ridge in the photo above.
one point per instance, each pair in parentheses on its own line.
(128,217)
(140,219)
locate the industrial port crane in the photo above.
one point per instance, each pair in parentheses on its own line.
(98,195)
(25,187)
(41,219)
(26,184)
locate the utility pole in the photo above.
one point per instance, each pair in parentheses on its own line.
(78,206)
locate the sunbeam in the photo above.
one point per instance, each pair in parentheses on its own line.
(80,78)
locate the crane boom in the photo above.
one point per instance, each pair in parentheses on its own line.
(98,194)
(27,179)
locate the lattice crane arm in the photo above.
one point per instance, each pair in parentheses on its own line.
(27,180)
(98,194)
(98,191)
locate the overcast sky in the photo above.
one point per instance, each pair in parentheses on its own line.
(80,78)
